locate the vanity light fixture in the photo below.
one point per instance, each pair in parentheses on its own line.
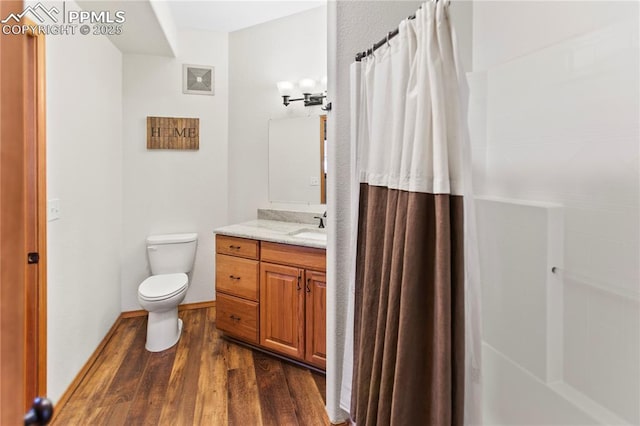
(308,86)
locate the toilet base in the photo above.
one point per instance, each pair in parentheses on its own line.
(163,330)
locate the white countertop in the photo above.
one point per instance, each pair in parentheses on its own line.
(275,231)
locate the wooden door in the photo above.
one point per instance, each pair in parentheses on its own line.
(36,215)
(12,222)
(282,309)
(22,220)
(316,314)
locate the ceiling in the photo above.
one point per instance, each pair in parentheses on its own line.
(150,26)
(232,15)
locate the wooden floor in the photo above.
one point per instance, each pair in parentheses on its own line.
(203,380)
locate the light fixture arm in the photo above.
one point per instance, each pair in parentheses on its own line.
(310,99)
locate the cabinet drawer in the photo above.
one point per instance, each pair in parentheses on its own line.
(237,276)
(235,246)
(304,257)
(237,317)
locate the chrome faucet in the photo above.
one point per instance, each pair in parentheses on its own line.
(322,218)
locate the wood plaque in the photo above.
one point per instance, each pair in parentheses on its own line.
(173,133)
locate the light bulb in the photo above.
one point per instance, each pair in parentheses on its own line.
(285,88)
(307,85)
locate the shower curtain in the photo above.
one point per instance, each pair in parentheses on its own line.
(413,350)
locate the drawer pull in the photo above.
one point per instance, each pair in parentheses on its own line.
(233,277)
(234,318)
(308,282)
(232,247)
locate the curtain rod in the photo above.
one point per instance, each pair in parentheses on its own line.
(390,35)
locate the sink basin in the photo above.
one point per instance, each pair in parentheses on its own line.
(310,234)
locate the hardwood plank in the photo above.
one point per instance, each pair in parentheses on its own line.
(306,397)
(148,402)
(243,399)
(321,384)
(111,415)
(127,379)
(237,356)
(183,384)
(71,413)
(203,380)
(99,377)
(211,401)
(275,400)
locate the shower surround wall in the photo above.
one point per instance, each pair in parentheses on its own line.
(554,118)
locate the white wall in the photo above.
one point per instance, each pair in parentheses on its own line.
(289,48)
(84,171)
(353,27)
(556,120)
(169,191)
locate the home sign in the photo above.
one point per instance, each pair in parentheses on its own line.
(173,133)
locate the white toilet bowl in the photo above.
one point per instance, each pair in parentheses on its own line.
(160,295)
(171,257)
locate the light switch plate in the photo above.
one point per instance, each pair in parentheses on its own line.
(53,209)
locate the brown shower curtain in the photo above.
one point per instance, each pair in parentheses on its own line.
(409,309)
(409,274)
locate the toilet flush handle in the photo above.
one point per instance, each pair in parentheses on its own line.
(152,248)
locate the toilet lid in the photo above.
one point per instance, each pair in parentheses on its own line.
(162,286)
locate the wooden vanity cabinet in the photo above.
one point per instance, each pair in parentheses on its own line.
(292,301)
(273,296)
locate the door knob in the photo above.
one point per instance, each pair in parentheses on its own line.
(40,413)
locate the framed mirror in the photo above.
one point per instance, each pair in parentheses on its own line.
(298,160)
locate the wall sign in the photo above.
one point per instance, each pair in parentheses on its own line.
(173,133)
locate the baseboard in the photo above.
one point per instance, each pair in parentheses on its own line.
(184,307)
(62,401)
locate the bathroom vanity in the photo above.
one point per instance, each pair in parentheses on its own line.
(271,288)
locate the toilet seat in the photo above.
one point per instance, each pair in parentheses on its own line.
(164,286)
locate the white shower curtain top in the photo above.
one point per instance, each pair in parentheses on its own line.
(411,141)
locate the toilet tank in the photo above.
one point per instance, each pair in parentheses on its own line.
(171,253)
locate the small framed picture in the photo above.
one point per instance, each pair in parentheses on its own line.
(198,79)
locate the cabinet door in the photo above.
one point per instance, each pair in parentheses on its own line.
(316,313)
(282,309)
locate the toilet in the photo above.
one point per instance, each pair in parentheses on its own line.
(171,258)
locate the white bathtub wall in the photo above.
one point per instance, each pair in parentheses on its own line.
(513,396)
(562,113)
(522,299)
